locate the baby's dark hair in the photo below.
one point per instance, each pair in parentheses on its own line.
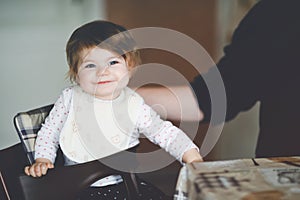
(103,34)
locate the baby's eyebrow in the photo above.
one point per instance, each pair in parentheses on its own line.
(106,60)
(85,61)
(114,57)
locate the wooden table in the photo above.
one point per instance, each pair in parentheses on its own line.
(245,179)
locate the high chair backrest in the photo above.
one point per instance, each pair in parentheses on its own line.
(27,125)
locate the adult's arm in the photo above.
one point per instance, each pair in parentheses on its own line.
(174,103)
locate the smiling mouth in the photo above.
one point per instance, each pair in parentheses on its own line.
(103,82)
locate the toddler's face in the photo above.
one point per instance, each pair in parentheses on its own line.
(102,73)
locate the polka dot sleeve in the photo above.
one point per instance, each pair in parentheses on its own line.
(47,141)
(164,133)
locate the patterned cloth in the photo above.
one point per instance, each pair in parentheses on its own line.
(27,125)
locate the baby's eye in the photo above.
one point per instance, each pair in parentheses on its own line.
(90,66)
(113,62)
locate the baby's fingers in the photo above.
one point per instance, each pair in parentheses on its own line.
(26,170)
(50,165)
(30,170)
(45,167)
(35,170)
(40,169)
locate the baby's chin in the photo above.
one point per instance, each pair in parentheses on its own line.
(107,95)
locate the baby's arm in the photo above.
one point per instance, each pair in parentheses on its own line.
(47,139)
(167,136)
(39,168)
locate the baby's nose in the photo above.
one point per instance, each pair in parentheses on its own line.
(102,70)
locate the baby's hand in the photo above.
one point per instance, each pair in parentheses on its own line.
(192,155)
(39,168)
